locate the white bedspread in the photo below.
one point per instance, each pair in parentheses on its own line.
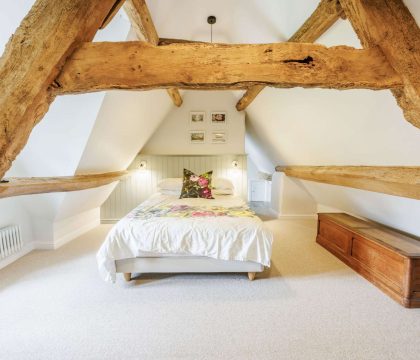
(223,228)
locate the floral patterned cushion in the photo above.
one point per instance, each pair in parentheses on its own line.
(195,186)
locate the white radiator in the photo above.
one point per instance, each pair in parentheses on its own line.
(10,241)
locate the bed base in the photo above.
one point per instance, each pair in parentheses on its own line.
(251,276)
(185,264)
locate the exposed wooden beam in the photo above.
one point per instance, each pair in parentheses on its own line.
(142,22)
(139,65)
(117,6)
(166,41)
(393,180)
(389,25)
(175,96)
(33,58)
(324,16)
(249,97)
(41,185)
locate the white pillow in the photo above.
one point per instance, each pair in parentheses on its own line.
(172,184)
(176,193)
(222,184)
(222,192)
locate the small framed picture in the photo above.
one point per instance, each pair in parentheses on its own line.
(219,137)
(197,137)
(197,117)
(218,118)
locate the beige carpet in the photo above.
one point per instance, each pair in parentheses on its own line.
(53,305)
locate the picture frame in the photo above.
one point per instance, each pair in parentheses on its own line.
(197,136)
(219,137)
(197,118)
(218,118)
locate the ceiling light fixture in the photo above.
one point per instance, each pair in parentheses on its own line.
(211,20)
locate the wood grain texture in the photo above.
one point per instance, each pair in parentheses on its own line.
(389,25)
(384,256)
(142,22)
(41,185)
(114,10)
(249,97)
(127,276)
(401,181)
(167,41)
(324,16)
(175,96)
(32,60)
(251,276)
(139,65)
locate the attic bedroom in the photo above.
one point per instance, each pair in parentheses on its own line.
(199,179)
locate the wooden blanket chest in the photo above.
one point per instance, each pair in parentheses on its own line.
(387,258)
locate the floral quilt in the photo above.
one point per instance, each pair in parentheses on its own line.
(186,211)
(223,228)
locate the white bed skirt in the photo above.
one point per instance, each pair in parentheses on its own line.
(184,264)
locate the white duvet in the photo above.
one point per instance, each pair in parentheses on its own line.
(223,228)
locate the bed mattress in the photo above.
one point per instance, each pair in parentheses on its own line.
(223,228)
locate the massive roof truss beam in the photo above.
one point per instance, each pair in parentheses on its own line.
(141,66)
(389,25)
(33,58)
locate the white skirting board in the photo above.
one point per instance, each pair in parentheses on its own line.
(27,248)
(68,229)
(297,217)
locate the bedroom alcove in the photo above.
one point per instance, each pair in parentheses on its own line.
(321,100)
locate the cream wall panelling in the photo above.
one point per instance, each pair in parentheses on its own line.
(133,190)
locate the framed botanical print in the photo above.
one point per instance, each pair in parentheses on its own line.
(219,137)
(197,137)
(197,117)
(218,118)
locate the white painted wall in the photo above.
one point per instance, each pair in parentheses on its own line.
(172,137)
(126,120)
(394,211)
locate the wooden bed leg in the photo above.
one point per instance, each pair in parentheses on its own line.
(251,276)
(127,276)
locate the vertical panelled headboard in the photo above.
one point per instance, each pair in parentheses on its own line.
(135,189)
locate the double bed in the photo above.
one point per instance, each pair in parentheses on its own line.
(166,234)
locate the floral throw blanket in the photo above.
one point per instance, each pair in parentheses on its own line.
(186,211)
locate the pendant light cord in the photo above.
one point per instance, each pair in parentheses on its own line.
(211,20)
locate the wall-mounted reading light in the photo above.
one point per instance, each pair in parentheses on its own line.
(143,165)
(235,164)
